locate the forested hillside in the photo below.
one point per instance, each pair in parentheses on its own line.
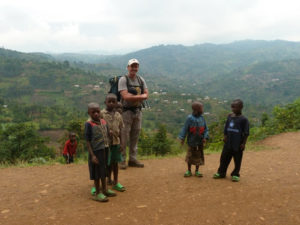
(39,92)
(221,71)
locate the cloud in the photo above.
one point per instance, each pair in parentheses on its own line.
(118,26)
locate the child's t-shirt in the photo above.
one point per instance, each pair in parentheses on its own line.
(70,148)
(97,134)
(115,124)
(236,129)
(195,129)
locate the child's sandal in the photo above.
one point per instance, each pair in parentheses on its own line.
(100,198)
(198,174)
(235,178)
(188,174)
(93,191)
(110,193)
(217,176)
(119,187)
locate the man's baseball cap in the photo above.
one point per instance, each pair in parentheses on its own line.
(132,61)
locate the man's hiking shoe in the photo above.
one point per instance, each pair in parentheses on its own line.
(235,178)
(110,193)
(119,187)
(123,165)
(100,198)
(188,174)
(93,191)
(198,174)
(217,176)
(135,164)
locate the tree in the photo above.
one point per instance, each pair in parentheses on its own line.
(287,117)
(161,143)
(22,141)
(145,143)
(264,119)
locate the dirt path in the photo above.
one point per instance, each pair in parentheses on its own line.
(269,192)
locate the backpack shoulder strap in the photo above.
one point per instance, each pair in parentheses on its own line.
(127,81)
(141,83)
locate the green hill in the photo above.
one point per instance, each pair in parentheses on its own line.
(263,73)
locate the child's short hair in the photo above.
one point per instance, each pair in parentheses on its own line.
(71,133)
(197,103)
(110,95)
(93,105)
(238,102)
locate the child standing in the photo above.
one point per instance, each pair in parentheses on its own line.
(115,123)
(70,148)
(96,134)
(119,108)
(197,133)
(236,132)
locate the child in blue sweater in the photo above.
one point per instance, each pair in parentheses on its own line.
(197,133)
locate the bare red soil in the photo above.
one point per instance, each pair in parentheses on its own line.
(268,193)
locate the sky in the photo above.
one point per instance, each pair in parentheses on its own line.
(121,26)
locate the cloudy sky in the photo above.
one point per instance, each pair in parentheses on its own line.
(120,26)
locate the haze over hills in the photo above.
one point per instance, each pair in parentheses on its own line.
(178,60)
(225,70)
(263,73)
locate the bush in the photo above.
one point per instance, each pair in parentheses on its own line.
(287,117)
(145,143)
(157,143)
(161,143)
(22,142)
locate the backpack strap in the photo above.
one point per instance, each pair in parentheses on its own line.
(127,81)
(141,83)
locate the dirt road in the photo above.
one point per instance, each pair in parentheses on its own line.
(268,193)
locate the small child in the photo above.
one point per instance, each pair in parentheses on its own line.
(197,133)
(96,135)
(236,132)
(119,108)
(70,148)
(115,123)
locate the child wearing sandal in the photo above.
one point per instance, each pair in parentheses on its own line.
(96,135)
(197,133)
(236,132)
(115,124)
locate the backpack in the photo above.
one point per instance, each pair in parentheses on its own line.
(114,83)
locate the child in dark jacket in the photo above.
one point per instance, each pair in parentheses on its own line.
(236,132)
(197,133)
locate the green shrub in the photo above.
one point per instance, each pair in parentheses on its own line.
(22,142)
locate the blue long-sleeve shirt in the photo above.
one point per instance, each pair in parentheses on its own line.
(195,129)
